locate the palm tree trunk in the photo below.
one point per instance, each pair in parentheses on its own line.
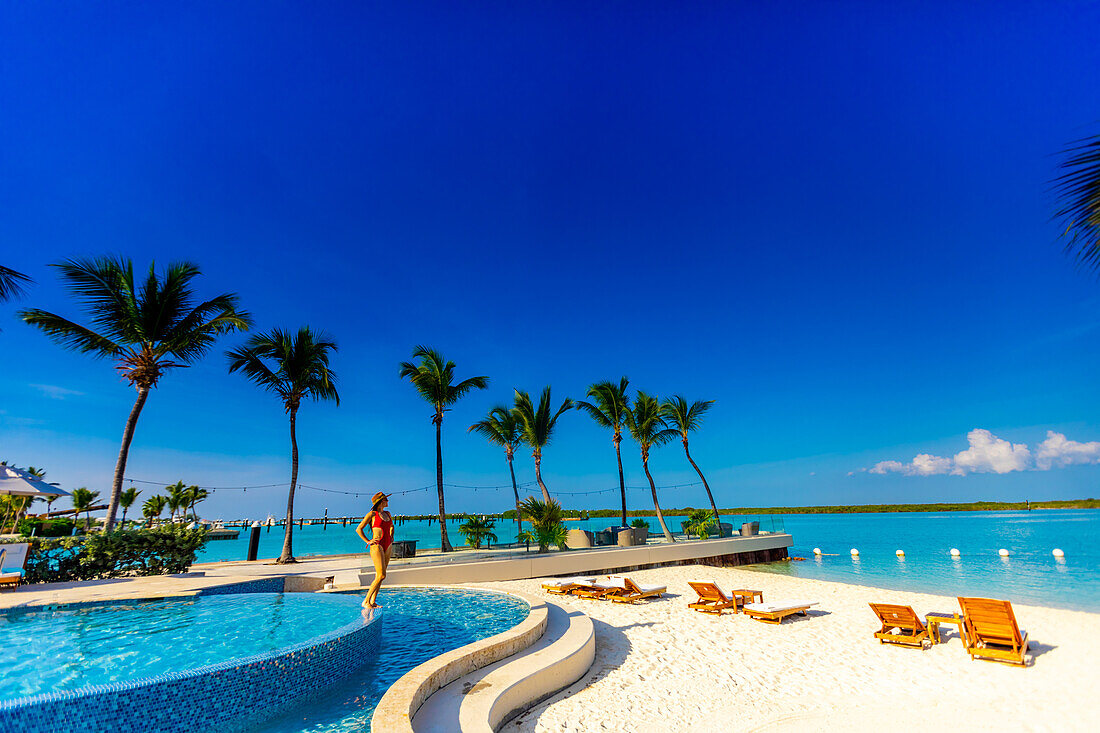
(538,476)
(287,555)
(123,453)
(713,506)
(622,481)
(515,492)
(653,488)
(444,542)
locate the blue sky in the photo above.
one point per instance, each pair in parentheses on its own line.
(832,220)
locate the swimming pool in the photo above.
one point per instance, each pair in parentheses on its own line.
(75,647)
(418,624)
(246,662)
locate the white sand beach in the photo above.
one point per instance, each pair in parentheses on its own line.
(662,666)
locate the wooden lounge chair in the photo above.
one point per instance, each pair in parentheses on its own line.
(900,625)
(712,599)
(565,586)
(598,591)
(12,575)
(992,631)
(774,613)
(627,591)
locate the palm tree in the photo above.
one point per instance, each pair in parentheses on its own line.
(685,418)
(1079,190)
(537,425)
(153,507)
(299,369)
(433,379)
(477,531)
(82,502)
(177,498)
(126,500)
(546,521)
(146,327)
(648,429)
(609,411)
(502,428)
(194,496)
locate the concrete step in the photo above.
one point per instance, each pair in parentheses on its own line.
(486,699)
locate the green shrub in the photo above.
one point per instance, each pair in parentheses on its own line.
(159,551)
(60,527)
(640,524)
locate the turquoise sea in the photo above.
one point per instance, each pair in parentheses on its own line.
(1029,575)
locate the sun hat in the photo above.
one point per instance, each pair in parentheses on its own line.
(378,497)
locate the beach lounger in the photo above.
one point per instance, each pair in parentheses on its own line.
(12,559)
(565,586)
(630,592)
(992,631)
(712,599)
(598,590)
(900,625)
(774,613)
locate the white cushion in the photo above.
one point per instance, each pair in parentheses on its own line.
(777,607)
(652,588)
(8,576)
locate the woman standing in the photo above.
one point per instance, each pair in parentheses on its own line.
(381,524)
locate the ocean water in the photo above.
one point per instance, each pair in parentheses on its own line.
(1029,575)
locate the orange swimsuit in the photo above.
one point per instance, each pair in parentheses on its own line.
(386,525)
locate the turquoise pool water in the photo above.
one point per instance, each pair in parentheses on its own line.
(77,647)
(417,624)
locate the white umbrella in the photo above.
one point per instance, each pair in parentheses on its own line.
(17,481)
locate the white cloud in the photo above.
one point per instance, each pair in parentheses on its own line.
(924,464)
(1058,452)
(989,454)
(56,393)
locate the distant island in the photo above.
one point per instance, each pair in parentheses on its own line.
(974,506)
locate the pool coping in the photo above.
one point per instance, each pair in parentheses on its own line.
(395,711)
(19,703)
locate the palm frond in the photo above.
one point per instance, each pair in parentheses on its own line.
(683,416)
(433,378)
(1078,189)
(299,364)
(12,284)
(105,286)
(71,335)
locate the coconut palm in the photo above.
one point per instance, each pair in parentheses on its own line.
(83,499)
(126,500)
(500,427)
(1079,191)
(146,327)
(433,378)
(153,508)
(685,418)
(177,498)
(537,426)
(649,429)
(477,530)
(546,520)
(299,369)
(609,407)
(194,496)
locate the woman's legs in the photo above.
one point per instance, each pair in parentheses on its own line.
(380,558)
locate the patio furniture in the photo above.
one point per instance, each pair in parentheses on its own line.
(576,539)
(403,548)
(900,625)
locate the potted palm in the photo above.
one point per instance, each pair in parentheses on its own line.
(546,522)
(477,531)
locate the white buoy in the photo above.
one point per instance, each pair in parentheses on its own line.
(817,550)
(900,553)
(955,552)
(1058,553)
(855,552)
(1002,552)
